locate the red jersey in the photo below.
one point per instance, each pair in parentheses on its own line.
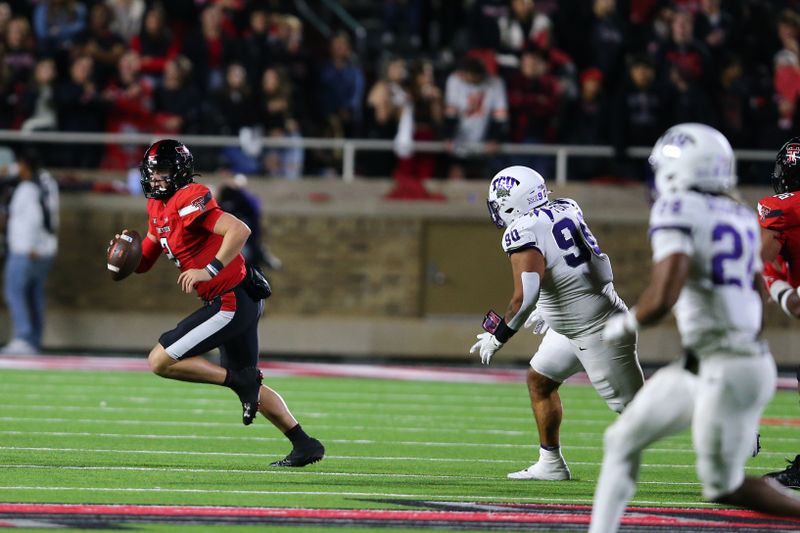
(184,226)
(781,213)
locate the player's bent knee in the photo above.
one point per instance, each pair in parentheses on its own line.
(159,360)
(541,386)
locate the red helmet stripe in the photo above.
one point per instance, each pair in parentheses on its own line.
(151,154)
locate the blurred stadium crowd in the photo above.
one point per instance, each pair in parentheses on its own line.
(546,71)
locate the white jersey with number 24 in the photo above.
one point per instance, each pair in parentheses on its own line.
(719,310)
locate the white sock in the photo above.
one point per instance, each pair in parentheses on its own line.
(551,456)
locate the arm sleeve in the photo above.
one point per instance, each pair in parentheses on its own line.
(151,251)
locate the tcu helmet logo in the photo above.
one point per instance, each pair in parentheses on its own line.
(502,186)
(677,138)
(792,151)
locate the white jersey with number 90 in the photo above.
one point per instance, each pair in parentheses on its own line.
(577,294)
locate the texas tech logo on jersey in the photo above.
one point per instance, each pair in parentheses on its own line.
(763,211)
(199,203)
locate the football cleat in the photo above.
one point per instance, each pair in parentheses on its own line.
(543,472)
(756,446)
(246,383)
(551,466)
(789,477)
(308,453)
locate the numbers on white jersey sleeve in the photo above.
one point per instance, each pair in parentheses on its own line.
(170,255)
(511,237)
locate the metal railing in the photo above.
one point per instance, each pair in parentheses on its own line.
(349,147)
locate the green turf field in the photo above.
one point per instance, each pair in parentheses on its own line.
(114,437)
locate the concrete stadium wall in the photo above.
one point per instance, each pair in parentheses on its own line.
(362,276)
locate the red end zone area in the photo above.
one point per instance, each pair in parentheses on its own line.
(427,514)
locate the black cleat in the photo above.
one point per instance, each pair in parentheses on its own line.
(307,454)
(790,477)
(246,382)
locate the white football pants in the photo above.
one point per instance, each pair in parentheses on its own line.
(723,405)
(613,370)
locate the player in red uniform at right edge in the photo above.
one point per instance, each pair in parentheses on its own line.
(779,217)
(205,243)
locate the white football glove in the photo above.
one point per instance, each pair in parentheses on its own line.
(620,326)
(487,344)
(538,323)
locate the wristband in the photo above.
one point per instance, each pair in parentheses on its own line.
(778,289)
(496,325)
(503,332)
(784,301)
(214,267)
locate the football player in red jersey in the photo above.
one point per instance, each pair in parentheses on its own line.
(779,216)
(205,243)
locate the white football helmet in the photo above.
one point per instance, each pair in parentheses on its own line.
(693,156)
(513,192)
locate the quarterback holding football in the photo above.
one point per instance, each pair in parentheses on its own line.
(204,242)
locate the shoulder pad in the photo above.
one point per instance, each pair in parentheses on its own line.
(194,198)
(779,211)
(674,211)
(520,235)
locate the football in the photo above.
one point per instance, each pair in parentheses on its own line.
(124,255)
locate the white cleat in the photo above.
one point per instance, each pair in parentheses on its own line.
(550,467)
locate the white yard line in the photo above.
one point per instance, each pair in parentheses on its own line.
(312,473)
(361,458)
(350,415)
(595,448)
(436,497)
